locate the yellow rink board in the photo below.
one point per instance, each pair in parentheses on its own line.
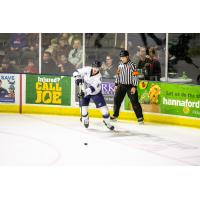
(125,115)
(7,108)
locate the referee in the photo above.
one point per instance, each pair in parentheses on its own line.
(126,82)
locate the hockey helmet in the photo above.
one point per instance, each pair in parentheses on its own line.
(96,64)
(124,53)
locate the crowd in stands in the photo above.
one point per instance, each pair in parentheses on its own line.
(148,63)
(62,53)
(145,59)
(19,53)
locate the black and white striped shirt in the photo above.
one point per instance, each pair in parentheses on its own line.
(125,74)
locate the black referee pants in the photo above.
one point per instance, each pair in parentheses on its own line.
(119,97)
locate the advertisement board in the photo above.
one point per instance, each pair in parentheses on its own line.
(7,88)
(166,98)
(52,90)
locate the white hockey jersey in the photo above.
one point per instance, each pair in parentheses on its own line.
(91,81)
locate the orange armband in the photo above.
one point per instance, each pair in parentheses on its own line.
(135,73)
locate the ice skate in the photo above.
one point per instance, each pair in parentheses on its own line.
(113,118)
(86,122)
(141,121)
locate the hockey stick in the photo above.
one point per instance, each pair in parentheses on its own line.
(80,97)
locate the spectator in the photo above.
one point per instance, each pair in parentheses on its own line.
(141,53)
(9,66)
(62,49)
(153,67)
(75,55)
(143,62)
(48,64)
(33,43)
(3,91)
(68,38)
(47,39)
(13,67)
(18,41)
(53,46)
(33,40)
(65,67)
(29,54)
(31,68)
(108,69)
(4,65)
(17,44)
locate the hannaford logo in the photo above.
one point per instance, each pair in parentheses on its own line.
(186,103)
(48,92)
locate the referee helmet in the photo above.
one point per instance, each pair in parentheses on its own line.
(123,53)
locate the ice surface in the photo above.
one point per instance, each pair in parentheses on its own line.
(59,140)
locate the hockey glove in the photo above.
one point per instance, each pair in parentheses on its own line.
(75,74)
(79,81)
(78,78)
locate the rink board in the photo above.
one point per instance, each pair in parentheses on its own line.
(126,115)
(26,94)
(7,108)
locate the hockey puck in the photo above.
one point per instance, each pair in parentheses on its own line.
(85,143)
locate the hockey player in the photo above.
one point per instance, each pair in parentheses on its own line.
(90,78)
